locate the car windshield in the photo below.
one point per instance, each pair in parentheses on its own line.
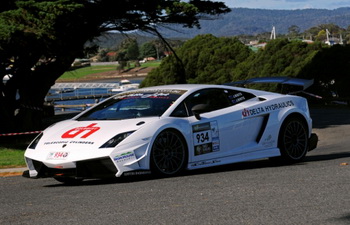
(141,103)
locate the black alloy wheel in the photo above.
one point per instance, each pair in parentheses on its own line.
(169,153)
(293,140)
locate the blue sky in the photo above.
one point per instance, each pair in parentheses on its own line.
(287,4)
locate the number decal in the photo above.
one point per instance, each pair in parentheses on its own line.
(206,138)
(202,137)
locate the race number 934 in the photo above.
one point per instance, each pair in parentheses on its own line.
(202,137)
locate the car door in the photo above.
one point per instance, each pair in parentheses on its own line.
(220,129)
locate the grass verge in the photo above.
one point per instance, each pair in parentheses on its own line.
(12,150)
(10,158)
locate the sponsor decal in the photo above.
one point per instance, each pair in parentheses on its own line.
(236,98)
(85,131)
(237,95)
(124,157)
(268,142)
(144,95)
(55,142)
(82,142)
(68,142)
(135,173)
(266,109)
(216,144)
(156,93)
(206,138)
(201,127)
(57,155)
(206,162)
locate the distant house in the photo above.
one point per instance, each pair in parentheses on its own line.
(81,63)
(111,54)
(255,45)
(167,53)
(254,42)
(148,59)
(308,41)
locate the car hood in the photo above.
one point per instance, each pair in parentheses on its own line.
(73,134)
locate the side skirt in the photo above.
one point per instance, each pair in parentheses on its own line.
(261,154)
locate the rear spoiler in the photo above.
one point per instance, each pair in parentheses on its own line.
(300,85)
(303,83)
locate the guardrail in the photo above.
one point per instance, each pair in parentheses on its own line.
(79,106)
(84,85)
(20,133)
(76,96)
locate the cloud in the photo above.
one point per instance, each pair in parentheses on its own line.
(340,4)
(296,0)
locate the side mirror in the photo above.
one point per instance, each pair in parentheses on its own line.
(198,109)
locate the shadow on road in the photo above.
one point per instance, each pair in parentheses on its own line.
(324,117)
(327,157)
(345,218)
(264,163)
(258,164)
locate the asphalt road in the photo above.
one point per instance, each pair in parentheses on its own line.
(313,192)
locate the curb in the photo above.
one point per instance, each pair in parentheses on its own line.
(10,172)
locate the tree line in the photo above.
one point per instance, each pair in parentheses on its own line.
(217,60)
(136,47)
(130,48)
(316,33)
(39,40)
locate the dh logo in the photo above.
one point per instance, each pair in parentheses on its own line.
(88,130)
(245,113)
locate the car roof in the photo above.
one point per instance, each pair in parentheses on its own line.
(195,87)
(187,87)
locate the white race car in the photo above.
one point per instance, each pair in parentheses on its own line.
(168,129)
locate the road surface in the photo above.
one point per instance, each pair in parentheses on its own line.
(260,192)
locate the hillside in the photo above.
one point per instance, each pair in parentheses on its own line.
(255,21)
(244,21)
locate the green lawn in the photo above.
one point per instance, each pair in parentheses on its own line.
(10,157)
(151,64)
(84,71)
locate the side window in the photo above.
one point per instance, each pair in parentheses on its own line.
(237,97)
(180,111)
(213,98)
(218,99)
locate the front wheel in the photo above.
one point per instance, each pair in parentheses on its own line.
(293,140)
(169,153)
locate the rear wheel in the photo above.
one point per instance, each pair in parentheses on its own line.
(169,153)
(293,140)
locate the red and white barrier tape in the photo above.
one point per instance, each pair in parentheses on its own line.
(22,133)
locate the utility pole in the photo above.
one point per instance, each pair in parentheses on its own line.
(273,33)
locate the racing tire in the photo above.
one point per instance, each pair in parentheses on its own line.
(293,140)
(169,154)
(68,180)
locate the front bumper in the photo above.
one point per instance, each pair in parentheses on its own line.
(313,140)
(94,168)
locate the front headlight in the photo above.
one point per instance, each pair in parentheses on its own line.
(35,141)
(116,140)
